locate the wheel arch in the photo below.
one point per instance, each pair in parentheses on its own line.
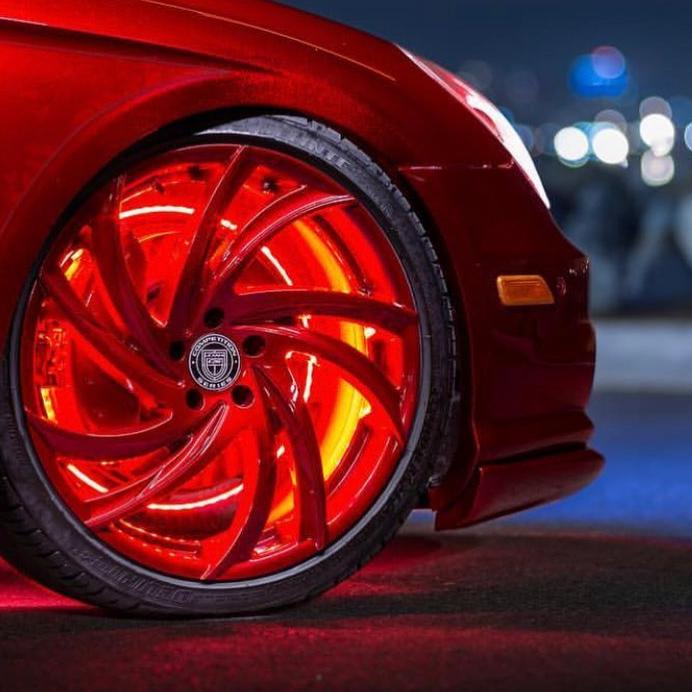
(161,115)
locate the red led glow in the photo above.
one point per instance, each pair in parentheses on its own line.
(270,253)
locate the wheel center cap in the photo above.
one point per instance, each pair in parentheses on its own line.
(214,362)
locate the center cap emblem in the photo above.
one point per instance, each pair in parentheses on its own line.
(214,362)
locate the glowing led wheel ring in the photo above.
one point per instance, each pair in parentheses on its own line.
(221,361)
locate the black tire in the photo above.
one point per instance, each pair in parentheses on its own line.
(41,537)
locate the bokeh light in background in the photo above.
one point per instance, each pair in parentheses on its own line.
(600,95)
(657,170)
(609,144)
(617,165)
(628,198)
(601,77)
(657,132)
(572,146)
(610,115)
(608,138)
(601,73)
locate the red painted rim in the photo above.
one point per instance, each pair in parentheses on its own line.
(220,362)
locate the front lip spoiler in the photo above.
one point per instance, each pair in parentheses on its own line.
(501,488)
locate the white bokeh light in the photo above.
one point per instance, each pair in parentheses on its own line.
(688,136)
(655,104)
(610,145)
(612,117)
(658,132)
(657,170)
(571,145)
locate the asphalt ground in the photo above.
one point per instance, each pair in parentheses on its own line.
(594,592)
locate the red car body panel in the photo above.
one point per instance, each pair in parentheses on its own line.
(90,79)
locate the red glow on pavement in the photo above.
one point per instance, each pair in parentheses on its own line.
(19,593)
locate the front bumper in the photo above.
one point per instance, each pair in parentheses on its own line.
(528,370)
(511,486)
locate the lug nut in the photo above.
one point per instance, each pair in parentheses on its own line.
(254,345)
(194,399)
(177,350)
(242,396)
(214,318)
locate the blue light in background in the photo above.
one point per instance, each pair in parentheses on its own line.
(600,74)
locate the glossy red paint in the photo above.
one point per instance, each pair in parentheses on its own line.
(91,79)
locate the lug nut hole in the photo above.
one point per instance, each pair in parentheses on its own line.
(214,318)
(254,346)
(242,396)
(270,186)
(194,399)
(177,350)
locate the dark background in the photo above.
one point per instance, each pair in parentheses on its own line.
(544,35)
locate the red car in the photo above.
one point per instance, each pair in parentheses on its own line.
(269,283)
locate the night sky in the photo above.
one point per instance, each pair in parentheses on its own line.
(542,35)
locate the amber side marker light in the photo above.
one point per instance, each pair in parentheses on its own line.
(524,289)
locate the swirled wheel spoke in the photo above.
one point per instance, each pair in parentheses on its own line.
(283,396)
(224,436)
(357,369)
(252,308)
(277,216)
(199,450)
(193,275)
(122,355)
(124,444)
(107,248)
(253,512)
